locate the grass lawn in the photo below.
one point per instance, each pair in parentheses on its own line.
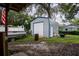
(67,39)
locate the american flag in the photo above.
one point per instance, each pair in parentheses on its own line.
(3,18)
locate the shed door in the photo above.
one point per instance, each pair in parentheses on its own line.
(51,31)
(38,29)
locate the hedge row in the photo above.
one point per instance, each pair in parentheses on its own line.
(69,32)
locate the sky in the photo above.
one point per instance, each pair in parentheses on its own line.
(77,15)
(61,20)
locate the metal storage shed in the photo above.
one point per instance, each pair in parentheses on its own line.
(44,26)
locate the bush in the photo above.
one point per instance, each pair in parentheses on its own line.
(62,35)
(70,32)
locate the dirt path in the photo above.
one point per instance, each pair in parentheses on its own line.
(44,49)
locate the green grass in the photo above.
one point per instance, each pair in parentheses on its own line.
(28,38)
(68,39)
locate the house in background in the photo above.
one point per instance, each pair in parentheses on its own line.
(71,27)
(45,27)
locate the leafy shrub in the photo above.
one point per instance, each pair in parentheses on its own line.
(70,32)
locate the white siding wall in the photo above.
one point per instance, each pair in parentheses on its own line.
(46,27)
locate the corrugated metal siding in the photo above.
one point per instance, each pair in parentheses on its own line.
(47,25)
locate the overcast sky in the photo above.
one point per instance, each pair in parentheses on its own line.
(77,16)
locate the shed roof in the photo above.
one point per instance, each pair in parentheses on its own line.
(50,20)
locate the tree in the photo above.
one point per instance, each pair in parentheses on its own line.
(69,9)
(75,21)
(11,16)
(19,19)
(41,8)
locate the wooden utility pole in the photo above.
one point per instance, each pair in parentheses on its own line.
(3,35)
(6,32)
(1,44)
